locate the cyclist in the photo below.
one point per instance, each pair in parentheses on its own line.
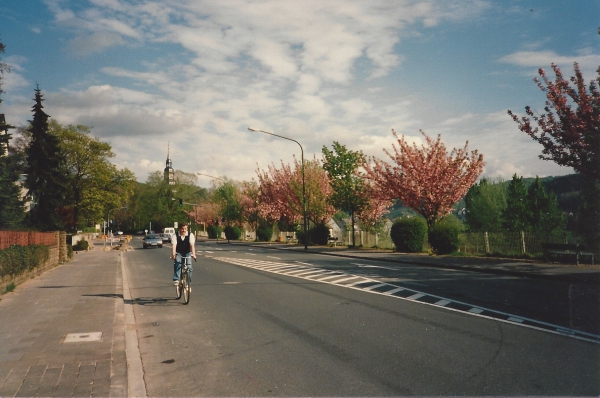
(183,244)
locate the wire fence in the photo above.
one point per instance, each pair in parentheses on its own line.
(507,243)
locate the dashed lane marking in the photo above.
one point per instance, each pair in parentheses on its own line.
(309,272)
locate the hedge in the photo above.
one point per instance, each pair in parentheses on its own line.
(408,234)
(19,259)
(233,232)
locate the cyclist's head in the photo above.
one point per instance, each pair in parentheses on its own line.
(183,227)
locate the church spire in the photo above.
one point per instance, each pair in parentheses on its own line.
(169,173)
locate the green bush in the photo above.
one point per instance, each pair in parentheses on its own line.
(82,245)
(18,259)
(408,234)
(443,238)
(300,236)
(264,233)
(213,231)
(319,234)
(233,232)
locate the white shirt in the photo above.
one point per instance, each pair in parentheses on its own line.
(174,239)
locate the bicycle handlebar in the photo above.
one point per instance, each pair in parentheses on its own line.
(182,257)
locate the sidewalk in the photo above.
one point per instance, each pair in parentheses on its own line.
(63,333)
(585,273)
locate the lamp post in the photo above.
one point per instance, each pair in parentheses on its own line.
(303,182)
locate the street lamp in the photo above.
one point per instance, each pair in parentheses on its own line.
(303,182)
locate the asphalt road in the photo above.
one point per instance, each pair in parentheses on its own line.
(249,331)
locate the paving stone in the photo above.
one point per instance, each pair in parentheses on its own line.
(49,381)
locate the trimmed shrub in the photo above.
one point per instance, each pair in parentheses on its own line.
(264,233)
(18,259)
(319,234)
(233,232)
(408,234)
(213,231)
(81,245)
(300,236)
(443,238)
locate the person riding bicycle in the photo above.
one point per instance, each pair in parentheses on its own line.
(183,246)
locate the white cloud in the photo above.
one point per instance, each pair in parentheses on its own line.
(286,67)
(587,60)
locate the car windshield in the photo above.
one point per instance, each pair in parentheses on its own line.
(151,236)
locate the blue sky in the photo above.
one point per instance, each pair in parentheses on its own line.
(195,75)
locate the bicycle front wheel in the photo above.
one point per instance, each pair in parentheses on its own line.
(186,288)
(178,289)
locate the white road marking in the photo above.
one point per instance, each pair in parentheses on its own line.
(396,290)
(375,287)
(330,277)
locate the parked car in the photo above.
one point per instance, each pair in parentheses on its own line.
(166,238)
(152,240)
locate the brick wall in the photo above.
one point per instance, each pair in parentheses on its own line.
(58,252)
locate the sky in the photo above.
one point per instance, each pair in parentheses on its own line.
(189,77)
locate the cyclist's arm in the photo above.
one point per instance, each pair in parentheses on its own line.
(173,245)
(193,244)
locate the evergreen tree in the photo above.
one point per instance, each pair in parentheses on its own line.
(544,215)
(516,215)
(11,205)
(45,182)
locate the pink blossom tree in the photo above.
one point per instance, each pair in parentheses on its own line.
(428,179)
(280,194)
(373,211)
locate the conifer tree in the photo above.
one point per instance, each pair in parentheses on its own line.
(45,182)
(545,217)
(516,214)
(11,205)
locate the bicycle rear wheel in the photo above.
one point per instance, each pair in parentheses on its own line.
(186,288)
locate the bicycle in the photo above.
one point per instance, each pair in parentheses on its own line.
(183,287)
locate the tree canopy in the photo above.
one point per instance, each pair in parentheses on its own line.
(570,137)
(428,179)
(45,181)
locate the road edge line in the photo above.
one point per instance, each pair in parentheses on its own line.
(136,387)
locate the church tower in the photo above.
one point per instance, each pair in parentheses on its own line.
(169,172)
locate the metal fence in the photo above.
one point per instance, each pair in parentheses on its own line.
(20,238)
(508,243)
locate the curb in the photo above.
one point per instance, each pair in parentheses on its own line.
(495,271)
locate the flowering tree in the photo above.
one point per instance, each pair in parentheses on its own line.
(318,190)
(370,214)
(249,200)
(205,214)
(277,201)
(569,131)
(570,137)
(426,179)
(281,192)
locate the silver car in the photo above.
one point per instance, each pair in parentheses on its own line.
(152,240)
